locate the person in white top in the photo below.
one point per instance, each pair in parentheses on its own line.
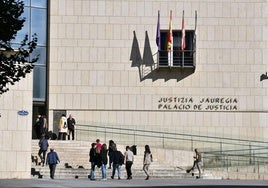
(129,158)
(63,128)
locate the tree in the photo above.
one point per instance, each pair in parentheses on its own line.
(15,63)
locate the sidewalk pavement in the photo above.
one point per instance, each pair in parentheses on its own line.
(158,183)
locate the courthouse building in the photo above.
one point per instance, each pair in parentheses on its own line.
(105,62)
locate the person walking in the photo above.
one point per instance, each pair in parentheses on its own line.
(71,124)
(129,158)
(63,128)
(104,161)
(197,163)
(147,160)
(117,161)
(52,161)
(93,161)
(112,146)
(38,126)
(43,144)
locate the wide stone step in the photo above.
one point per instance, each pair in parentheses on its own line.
(65,173)
(75,153)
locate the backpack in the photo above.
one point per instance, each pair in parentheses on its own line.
(121,158)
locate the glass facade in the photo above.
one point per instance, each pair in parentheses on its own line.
(35,12)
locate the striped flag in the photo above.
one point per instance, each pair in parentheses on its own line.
(170,37)
(158,36)
(183,45)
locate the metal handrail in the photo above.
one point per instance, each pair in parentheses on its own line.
(249,152)
(223,140)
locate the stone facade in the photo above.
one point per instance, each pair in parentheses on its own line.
(16,130)
(90,72)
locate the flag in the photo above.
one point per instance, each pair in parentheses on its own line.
(183,45)
(170,37)
(195,33)
(158,36)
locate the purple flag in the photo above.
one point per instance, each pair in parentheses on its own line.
(158,37)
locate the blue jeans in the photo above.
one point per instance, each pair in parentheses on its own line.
(92,170)
(103,171)
(118,168)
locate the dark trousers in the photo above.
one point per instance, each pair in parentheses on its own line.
(110,160)
(52,168)
(71,132)
(198,166)
(62,136)
(128,168)
(43,156)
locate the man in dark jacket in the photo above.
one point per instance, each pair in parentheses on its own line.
(93,161)
(43,144)
(111,149)
(38,126)
(71,124)
(104,161)
(117,159)
(52,161)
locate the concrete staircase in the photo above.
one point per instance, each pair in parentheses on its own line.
(74,157)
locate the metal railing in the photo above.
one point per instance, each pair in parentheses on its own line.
(217,151)
(254,156)
(180,58)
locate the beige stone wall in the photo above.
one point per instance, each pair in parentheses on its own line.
(92,78)
(16,130)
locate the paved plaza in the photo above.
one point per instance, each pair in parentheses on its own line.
(159,183)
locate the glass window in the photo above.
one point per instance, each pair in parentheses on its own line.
(25,29)
(39,83)
(39,3)
(41,51)
(180,58)
(38,24)
(26,2)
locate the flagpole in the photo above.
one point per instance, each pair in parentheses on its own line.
(169,58)
(182,59)
(158,34)
(183,38)
(195,39)
(158,38)
(195,21)
(171,52)
(170,42)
